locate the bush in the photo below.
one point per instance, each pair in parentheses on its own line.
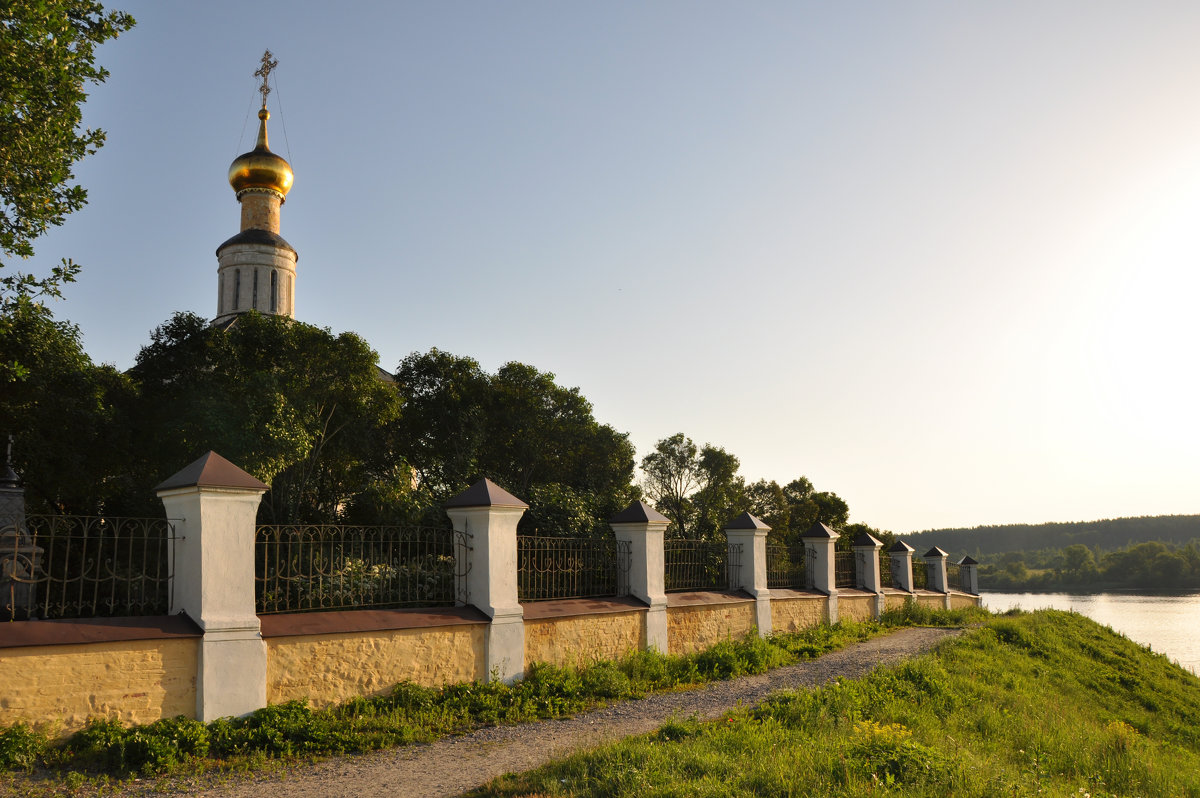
(21,748)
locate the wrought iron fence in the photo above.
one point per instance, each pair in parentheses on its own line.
(700,565)
(559,568)
(785,567)
(72,566)
(954,577)
(885,570)
(920,574)
(843,569)
(322,567)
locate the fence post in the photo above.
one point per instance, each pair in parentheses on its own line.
(935,561)
(970,575)
(215,504)
(819,542)
(751,534)
(488,515)
(901,556)
(642,527)
(866,561)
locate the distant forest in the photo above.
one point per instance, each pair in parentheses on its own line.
(1107,535)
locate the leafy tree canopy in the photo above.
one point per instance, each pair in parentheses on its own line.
(47,59)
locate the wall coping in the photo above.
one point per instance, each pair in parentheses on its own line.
(700,598)
(787,593)
(565,608)
(295,624)
(76,631)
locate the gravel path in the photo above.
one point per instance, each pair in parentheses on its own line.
(453,765)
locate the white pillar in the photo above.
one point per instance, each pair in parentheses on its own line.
(935,561)
(214,505)
(970,575)
(901,556)
(750,534)
(819,542)
(642,527)
(866,561)
(488,515)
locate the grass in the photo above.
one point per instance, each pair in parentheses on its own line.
(409,713)
(1048,703)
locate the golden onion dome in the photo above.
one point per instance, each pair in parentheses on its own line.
(260,168)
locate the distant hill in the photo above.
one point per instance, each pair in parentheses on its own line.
(1114,533)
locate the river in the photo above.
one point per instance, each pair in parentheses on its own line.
(1168,623)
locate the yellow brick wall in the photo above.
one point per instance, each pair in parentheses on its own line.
(696,628)
(892,601)
(583,638)
(328,669)
(856,608)
(958,602)
(60,687)
(797,614)
(933,602)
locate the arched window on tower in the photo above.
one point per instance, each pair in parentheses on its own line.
(220,293)
(254,301)
(237,288)
(274,291)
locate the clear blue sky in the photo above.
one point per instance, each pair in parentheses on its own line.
(939,257)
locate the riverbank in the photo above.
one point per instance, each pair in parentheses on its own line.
(1048,703)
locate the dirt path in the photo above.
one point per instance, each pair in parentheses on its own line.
(453,765)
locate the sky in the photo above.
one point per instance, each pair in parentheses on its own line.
(940,258)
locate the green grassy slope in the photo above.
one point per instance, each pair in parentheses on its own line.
(1048,703)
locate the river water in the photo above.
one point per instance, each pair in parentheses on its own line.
(1169,623)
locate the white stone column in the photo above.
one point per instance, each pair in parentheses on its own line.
(935,561)
(970,575)
(750,534)
(488,515)
(901,555)
(866,561)
(642,527)
(819,543)
(214,505)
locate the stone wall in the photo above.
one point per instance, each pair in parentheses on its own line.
(894,601)
(330,668)
(936,601)
(58,688)
(856,607)
(583,638)
(797,614)
(959,601)
(695,628)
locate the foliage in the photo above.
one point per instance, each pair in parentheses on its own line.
(1049,703)
(300,408)
(517,427)
(1107,534)
(64,415)
(1150,565)
(697,488)
(47,53)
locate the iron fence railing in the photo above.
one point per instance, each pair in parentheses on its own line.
(954,577)
(920,574)
(561,568)
(700,565)
(309,568)
(72,566)
(844,569)
(785,567)
(885,570)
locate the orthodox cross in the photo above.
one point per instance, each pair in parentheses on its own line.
(264,72)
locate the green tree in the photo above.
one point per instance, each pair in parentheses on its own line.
(47,60)
(69,446)
(698,488)
(300,408)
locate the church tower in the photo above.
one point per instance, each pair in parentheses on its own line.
(256,269)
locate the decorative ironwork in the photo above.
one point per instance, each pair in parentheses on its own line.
(268,64)
(323,567)
(561,567)
(885,570)
(844,569)
(954,577)
(701,565)
(785,567)
(71,566)
(920,574)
